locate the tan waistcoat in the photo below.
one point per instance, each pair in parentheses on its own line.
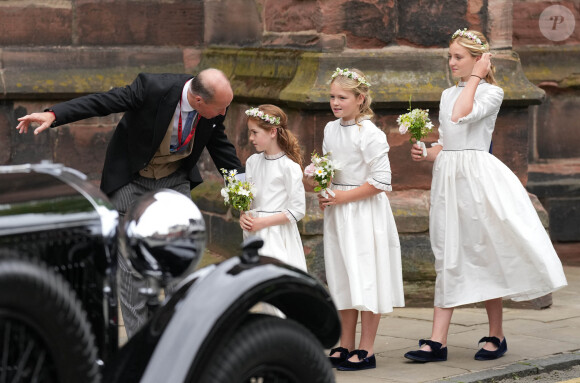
(164,162)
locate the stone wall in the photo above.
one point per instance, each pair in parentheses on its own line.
(283,52)
(554,169)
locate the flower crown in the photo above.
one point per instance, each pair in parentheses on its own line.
(255,112)
(352,75)
(468,35)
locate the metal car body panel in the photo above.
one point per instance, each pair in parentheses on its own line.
(52,212)
(207,309)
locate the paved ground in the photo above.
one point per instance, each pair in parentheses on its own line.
(569,375)
(538,340)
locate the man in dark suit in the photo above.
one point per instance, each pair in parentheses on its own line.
(168,120)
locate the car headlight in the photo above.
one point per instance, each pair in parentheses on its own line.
(164,234)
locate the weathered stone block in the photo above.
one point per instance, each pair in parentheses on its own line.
(526,17)
(83,148)
(244,25)
(550,66)
(366,24)
(21,25)
(417,257)
(557,129)
(555,179)
(313,221)
(207,197)
(332,42)
(125,22)
(191,59)
(7,125)
(430,24)
(565,219)
(499,23)
(411,210)
(30,148)
(292,15)
(291,40)
(419,293)
(314,253)
(224,235)
(95,69)
(255,74)
(510,140)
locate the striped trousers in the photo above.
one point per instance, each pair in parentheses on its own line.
(134,304)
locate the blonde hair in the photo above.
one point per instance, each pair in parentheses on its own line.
(476,49)
(358,88)
(285,138)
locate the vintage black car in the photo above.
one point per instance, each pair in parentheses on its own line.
(59,242)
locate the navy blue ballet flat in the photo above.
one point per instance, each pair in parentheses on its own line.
(437,353)
(338,360)
(483,354)
(364,364)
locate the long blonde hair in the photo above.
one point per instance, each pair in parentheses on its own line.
(476,50)
(358,88)
(285,138)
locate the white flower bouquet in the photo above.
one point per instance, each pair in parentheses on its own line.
(237,194)
(322,170)
(417,123)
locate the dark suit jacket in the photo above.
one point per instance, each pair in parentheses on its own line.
(149,104)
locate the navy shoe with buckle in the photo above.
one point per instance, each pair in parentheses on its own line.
(437,353)
(364,362)
(337,360)
(484,354)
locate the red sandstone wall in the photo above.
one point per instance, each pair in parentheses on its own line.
(321,25)
(102,23)
(554,67)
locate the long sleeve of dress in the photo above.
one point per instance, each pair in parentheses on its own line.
(296,208)
(375,150)
(486,103)
(488,99)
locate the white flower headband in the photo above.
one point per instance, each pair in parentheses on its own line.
(468,35)
(352,75)
(255,112)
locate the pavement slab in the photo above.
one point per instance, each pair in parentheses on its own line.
(538,341)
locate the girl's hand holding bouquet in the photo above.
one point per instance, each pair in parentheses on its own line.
(417,123)
(237,194)
(322,170)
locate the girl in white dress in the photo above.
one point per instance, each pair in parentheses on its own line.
(276,171)
(361,244)
(485,234)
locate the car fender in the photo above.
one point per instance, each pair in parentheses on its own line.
(219,300)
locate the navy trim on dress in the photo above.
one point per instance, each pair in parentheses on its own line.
(293,216)
(334,183)
(384,183)
(273,157)
(461,150)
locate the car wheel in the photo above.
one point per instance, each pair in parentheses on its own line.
(270,349)
(44,333)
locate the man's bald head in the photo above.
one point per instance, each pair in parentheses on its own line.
(211,92)
(209,82)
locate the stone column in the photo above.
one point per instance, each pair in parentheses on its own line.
(499,24)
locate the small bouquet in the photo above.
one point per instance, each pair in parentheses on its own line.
(238,194)
(417,123)
(322,170)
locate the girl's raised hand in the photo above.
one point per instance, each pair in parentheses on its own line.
(482,66)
